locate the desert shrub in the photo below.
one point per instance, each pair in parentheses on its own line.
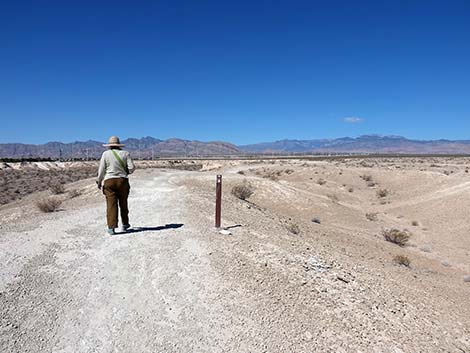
(415,223)
(396,236)
(242,191)
(371,184)
(382,193)
(271,176)
(293,228)
(321,181)
(50,204)
(74,193)
(56,188)
(241,172)
(366,177)
(402,260)
(372,216)
(351,189)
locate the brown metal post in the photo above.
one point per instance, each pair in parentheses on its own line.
(218,200)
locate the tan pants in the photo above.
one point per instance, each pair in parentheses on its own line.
(116,191)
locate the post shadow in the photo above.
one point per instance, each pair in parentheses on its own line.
(154,229)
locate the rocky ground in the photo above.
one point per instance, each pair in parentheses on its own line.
(305,268)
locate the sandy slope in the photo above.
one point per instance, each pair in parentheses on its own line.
(67,287)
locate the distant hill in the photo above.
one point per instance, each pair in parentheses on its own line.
(147,147)
(363,144)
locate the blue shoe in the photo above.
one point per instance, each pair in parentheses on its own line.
(125,227)
(111,231)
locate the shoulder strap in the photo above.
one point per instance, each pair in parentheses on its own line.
(121,162)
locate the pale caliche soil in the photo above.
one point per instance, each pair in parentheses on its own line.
(19,179)
(67,287)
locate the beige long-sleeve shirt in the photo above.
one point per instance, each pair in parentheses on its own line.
(111,168)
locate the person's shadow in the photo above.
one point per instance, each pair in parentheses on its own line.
(153,229)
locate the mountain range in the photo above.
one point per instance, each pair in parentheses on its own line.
(363,144)
(148,147)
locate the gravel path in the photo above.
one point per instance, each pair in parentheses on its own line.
(83,291)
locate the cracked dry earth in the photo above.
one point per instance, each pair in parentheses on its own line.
(177,285)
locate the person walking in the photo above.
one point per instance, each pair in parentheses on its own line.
(115,167)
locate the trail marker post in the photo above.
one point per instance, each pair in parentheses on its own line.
(218,200)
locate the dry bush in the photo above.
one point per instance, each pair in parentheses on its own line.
(74,193)
(396,236)
(321,181)
(415,223)
(272,177)
(372,216)
(371,184)
(57,188)
(50,204)
(241,172)
(293,228)
(351,189)
(366,177)
(402,260)
(382,193)
(242,191)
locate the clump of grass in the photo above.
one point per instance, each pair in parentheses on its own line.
(48,205)
(321,181)
(396,236)
(402,260)
(372,216)
(242,191)
(293,228)
(383,193)
(57,188)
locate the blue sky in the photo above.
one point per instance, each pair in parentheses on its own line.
(240,71)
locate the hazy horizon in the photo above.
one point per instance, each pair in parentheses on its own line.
(225,141)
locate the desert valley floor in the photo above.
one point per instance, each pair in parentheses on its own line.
(306,268)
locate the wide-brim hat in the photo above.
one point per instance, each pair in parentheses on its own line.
(113,142)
